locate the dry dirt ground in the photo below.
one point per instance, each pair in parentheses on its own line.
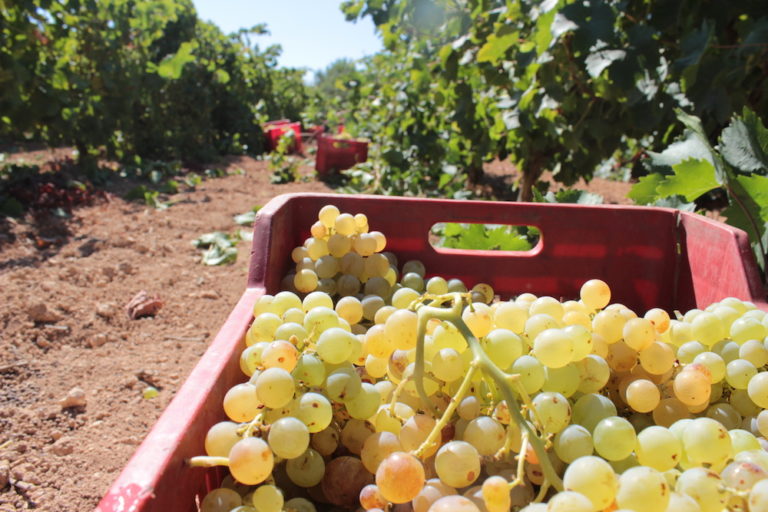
(73,366)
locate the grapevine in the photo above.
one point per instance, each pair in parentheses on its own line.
(365,390)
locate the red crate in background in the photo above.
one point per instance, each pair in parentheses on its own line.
(651,257)
(273,130)
(336,154)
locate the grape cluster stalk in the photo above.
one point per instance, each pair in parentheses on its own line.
(378,389)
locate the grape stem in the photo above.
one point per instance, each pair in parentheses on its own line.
(204,461)
(481,362)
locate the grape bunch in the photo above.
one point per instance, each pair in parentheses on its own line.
(378,389)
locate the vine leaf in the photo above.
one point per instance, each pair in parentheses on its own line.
(644,191)
(496,47)
(691,179)
(744,143)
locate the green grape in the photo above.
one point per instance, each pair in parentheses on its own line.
(305,280)
(726,414)
(400,328)
(220,500)
(310,370)
(553,410)
(413,281)
(742,440)
(251,461)
(433,490)
(365,244)
(495,493)
(354,434)
(469,408)
(280,354)
(307,469)
(758,496)
(264,303)
(643,488)
(403,297)
(343,384)
(486,434)
(609,325)
(447,365)
(569,501)
(512,316)
(319,319)
(415,431)
(705,487)
(263,327)
(457,464)
(741,401)
(250,358)
(758,389)
(447,336)
(572,442)
(299,505)
(453,504)
(547,306)
(739,372)
(503,347)
(288,329)
(377,447)
(414,266)
(268,498)
(371,304)
(680,333)
(536,324)
(365,403)
(378,287)
(377,343)
(220,438)
(594,373)
(582,341)
(594,478)
(679,502)
(595,294)
(315,411)
(747,328)
(643,395)
(371,498)
(288,437)
(714,363)
(326,441)
(478,319)
(564,380)
(658,448)
(638,333)
(692,387)
(669,411)
(384,420)
(335,345)
(708,328)
(705,441)
(531,372)
(436,286)
(275,387)
(657,359)
(689,350)
(376,367)
(590,409)
(614,438)
(400,477)
(241,402)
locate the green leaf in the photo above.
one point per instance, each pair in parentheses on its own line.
(495,48)
(219,255)
(245,219)
(644,191)
(744,143)
(172,67)
(691,179)
(221,76)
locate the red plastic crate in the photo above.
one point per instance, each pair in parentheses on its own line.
(276,129)
(651,257)
(336,154)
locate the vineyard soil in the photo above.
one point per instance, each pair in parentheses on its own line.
(63,288)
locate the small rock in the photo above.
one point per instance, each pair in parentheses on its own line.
(5,473)
(125,268)
(109,272)
(64,446)
(106,309)
(97,340)
(56,331)
(39,312)
(75,398)
(143,304)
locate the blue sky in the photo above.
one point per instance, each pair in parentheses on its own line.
(313,33)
